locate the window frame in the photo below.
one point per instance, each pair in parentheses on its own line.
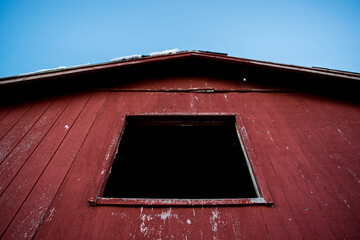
(261,189)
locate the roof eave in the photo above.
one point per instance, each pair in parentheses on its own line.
(150,59)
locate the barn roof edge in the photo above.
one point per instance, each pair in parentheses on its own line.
(174,54)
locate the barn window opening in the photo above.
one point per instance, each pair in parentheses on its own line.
(187,157)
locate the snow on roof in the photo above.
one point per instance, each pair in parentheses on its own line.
(119,59)
(54,69)
(125,58)
(51,69)
(136,56)
(166,52)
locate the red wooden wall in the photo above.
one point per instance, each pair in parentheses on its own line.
(307,148)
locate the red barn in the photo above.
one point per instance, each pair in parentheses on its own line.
(180,145)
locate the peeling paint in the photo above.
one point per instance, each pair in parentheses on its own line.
(353,174)
(192,105)
(165,215)
(111,147)
(51,214)
(346,203)
(344,136)
(143,228)
(268,133)
(213,220)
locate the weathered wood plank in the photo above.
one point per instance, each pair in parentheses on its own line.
(19,155)
(32,211)
(20,187)
(96,151)
(12,138)
(11,117)
(4,110)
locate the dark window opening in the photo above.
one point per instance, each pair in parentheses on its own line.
(172,157)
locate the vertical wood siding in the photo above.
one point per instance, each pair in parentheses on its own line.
(52,152)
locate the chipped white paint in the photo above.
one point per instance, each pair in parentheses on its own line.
(257,200)
(353,174)
(268,133)
(344,136)
(102,172)
(165,215)
(346,203)
(111,147)
(287,147)
(188,221)
(213,220)
(143,228)
(290,219)
(66,127)
(236,228)
(51,214)
(192,105)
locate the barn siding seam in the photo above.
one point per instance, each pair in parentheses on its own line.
(34,119)
(73,161)
(12,124)
(36,145)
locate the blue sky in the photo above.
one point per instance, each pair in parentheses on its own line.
(46,34)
